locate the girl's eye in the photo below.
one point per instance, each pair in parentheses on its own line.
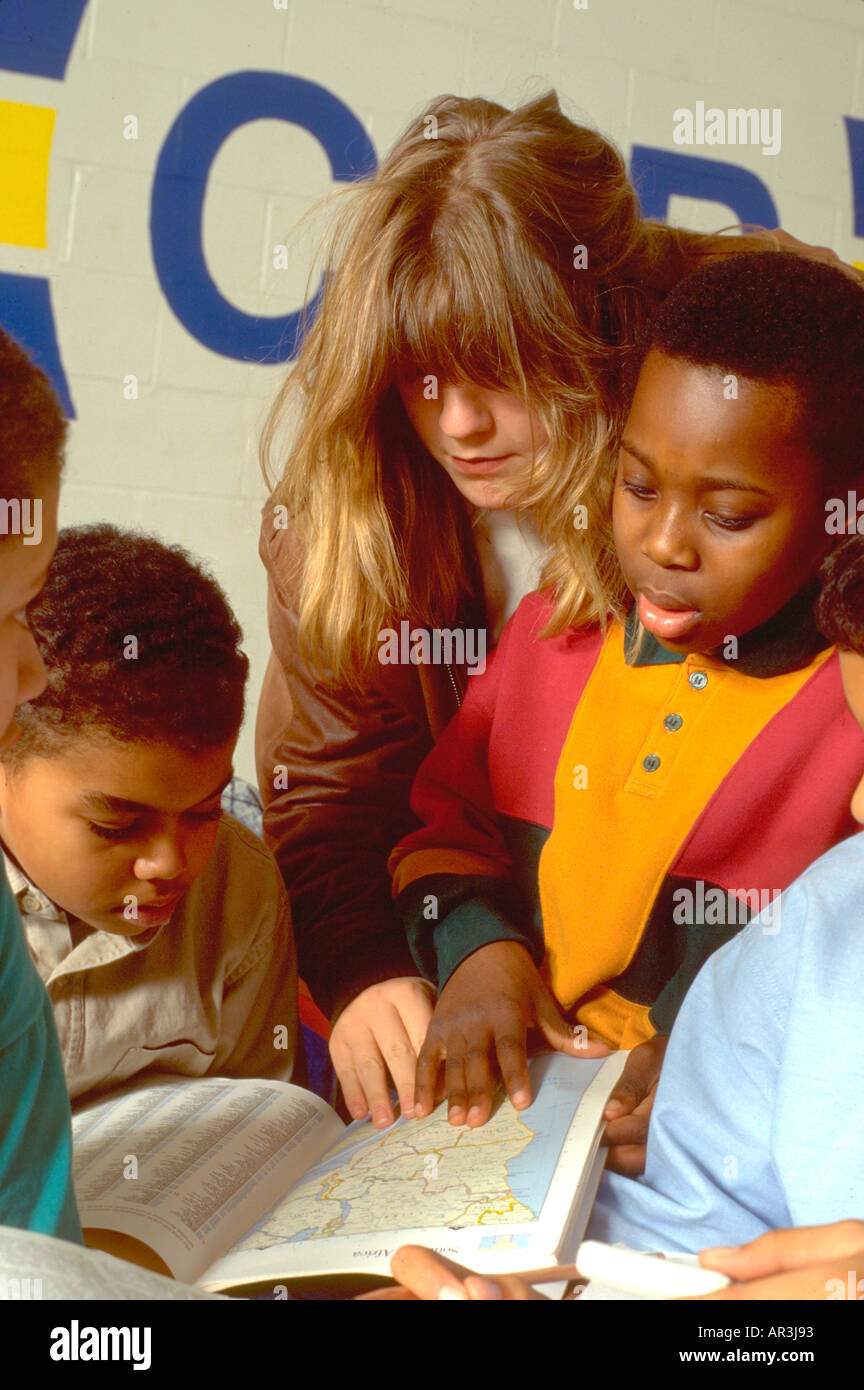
(111,832)
(215,814)
(731,523)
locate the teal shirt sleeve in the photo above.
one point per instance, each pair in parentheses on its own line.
(36,1192)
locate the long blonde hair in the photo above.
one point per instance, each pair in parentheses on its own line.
(461,255)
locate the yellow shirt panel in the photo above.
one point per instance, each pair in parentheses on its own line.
(646,749)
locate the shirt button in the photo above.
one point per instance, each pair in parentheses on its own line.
(698,680)
(31,903)
(673,723)
(651,763)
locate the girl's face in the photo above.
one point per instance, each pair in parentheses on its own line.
(485,440)
(22,573)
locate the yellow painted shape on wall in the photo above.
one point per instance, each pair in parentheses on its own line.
(25,147)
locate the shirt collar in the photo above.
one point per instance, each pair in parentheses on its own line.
(98,946)
(31,901)
(787,642)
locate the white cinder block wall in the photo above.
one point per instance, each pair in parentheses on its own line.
(180,458)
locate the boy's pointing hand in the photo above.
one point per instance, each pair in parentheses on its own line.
(479,1031)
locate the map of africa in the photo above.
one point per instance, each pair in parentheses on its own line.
(429,1173)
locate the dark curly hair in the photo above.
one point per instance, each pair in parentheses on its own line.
(840,609)
(139,645)
(32,425)
(777,318)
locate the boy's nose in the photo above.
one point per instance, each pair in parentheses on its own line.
(163,859)
(668,546)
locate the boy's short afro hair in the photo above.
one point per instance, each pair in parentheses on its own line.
(139,645)
(840,609)
(780,319)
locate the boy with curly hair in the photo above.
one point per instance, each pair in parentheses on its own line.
(160,927)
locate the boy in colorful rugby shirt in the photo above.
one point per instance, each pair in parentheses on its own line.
(710,741)
(754,1148)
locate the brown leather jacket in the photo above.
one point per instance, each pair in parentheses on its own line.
(342,764)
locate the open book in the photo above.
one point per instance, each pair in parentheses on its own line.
(255,1184)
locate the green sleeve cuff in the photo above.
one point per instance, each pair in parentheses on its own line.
(450,916)
(468,927)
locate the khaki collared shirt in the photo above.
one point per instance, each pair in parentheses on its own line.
(211,993)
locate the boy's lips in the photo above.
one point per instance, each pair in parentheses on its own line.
(153,912)
(670,620)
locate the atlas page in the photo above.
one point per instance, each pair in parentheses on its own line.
(185,1167)
(498,1197)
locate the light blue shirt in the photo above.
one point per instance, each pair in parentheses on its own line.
(35,1129)
(758,1120)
